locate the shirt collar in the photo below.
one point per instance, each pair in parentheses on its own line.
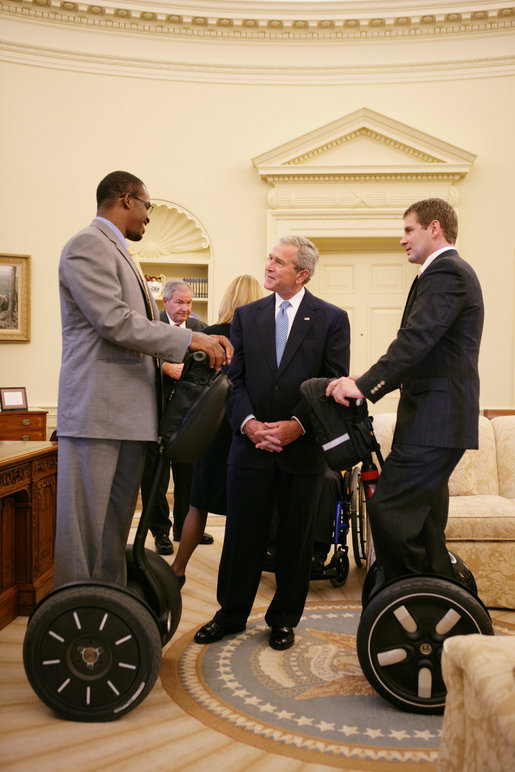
(117,232)
(431,257)
(295,300)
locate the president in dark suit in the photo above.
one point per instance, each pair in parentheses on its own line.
(434,361)
(279,341)
(177,301)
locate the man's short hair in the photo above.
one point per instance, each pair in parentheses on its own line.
(175,284)
(116,185)
(430,209)
(307,256)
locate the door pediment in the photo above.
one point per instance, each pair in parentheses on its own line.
(363,146)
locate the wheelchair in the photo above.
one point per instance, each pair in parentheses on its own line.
(92,650)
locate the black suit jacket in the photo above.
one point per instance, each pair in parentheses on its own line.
(317,346)
(434,358)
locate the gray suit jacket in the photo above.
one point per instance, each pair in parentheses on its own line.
(107,383)
(434,358)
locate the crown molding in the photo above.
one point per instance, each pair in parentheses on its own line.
(186,71)
(274,21)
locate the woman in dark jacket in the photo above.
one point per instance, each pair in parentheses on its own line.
(209,475)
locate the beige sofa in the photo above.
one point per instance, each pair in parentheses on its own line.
(481,525)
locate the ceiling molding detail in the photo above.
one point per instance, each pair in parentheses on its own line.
(158,69)
(274,21)
(402,155)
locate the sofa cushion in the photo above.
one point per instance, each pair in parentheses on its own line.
(463,481)
(481,518)
(477,470)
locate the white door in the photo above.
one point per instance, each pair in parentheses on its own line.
(370,279)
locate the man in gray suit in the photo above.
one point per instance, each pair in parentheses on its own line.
(434,361)
(177,301)
(108,402)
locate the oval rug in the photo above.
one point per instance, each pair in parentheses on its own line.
(310,702)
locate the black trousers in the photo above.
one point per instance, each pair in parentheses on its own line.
(408,511)
(182,477)
(251,495)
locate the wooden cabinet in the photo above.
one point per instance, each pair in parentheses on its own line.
(28,492)
(23,425)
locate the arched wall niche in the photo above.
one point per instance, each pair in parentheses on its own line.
(177,246)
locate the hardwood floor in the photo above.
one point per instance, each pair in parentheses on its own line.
(157,735)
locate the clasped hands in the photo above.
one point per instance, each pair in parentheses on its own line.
(341,389)
(272,435)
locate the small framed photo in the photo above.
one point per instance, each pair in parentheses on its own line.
(14,398)
(14,298)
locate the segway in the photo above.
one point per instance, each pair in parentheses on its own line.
(92,650)
(404,622)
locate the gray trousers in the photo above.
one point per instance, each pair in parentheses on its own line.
(97,489)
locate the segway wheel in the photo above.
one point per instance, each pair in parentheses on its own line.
(401,634)
(339,567)
(91,652)
(358,518)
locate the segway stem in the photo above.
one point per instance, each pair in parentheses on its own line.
(138,547)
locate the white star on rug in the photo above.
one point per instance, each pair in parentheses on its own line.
(373,733)
(424,735)
(399,734)
(324,726)
(348,730)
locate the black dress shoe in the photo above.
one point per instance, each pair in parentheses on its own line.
(163,544)
(317,564)
(281,638)
(214,632)
(206,539)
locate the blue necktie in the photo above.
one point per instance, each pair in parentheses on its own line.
(281,330)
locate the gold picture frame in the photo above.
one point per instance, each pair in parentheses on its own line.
(14,298)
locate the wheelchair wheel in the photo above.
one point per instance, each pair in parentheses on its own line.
(92,652)
(401,634)
(339,567)
(359,523)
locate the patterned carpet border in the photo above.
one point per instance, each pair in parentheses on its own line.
(310,702)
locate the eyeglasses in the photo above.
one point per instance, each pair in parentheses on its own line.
(148,206)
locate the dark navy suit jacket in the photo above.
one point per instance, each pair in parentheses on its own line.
(317,346)
(434,358)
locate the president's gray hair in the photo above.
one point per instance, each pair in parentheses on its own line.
(306,257)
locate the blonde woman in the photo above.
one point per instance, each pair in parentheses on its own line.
(209,476)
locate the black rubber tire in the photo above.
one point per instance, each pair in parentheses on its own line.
(340,564)
(359,523)
(401,634)
(91,652)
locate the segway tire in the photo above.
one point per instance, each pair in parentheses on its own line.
(92,652)
(401,634)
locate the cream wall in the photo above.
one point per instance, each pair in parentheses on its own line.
(192,143)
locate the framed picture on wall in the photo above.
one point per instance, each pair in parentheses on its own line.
(14,298)
(14,398)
